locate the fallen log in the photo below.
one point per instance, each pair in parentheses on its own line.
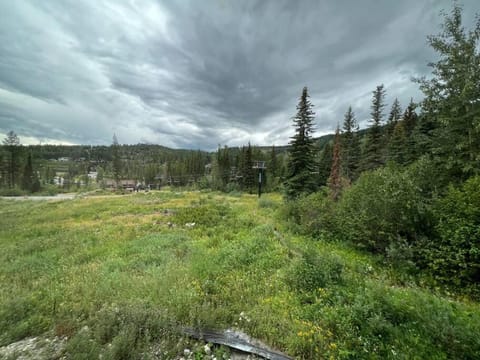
(238,341)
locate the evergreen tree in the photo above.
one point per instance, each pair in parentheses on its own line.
(13,148)
(249,172)
(397,146)
(27,179)
(350,145)
(222,167)
(410,118)
(300,177)
(423,135)
(3,169)
(393,118)
(273,170)
(325,164)
(452,94)
(335,179)
(117,161)
(373,150)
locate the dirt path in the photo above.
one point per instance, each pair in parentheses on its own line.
(39,198)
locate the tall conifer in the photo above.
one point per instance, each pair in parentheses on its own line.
(300,178)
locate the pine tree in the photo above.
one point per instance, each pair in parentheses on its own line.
(393,118)
(335,179)
(273,168)
(249,172)
(300,177)
(373,151)
(222,167)
(397,146)
(325,164)
(12,145)
(27,179)
(350,145)
(117,161)
(410,118)
(452,95)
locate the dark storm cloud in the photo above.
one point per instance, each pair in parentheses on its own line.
(198,73)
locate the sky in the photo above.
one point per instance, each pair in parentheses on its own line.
(196,74)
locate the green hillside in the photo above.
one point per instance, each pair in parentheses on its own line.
(120,275)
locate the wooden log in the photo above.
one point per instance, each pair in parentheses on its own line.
(237,341)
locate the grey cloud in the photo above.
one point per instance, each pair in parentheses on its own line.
(198,73)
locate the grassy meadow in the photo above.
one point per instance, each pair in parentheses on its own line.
(119,275)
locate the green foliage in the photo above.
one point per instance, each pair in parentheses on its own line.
(397,146)
(372,156)
(202,215)
(116,160)
(301,166)
(314,270)
(240,267)
(311,214)
(13,162)
(82,347)
(454,256)
(325,164)
(451,95)
(381,207)
(350,146)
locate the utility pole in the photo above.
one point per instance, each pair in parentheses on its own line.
(260,165)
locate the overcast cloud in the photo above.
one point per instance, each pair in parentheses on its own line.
(195,74)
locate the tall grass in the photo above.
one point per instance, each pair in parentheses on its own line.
(121,276)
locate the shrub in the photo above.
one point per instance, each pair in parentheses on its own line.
(203,215)
(311,214)
(314,270)
(381,207)
(454,256)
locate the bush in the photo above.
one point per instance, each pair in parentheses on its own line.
(312,214)
(381,207)
(314,270)
(203,215)
(13,192)
(454,256)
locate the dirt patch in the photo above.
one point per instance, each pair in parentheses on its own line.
(34,348)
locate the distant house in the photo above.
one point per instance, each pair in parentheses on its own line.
(92,175)
(58,180)
(128,184)
(64,159)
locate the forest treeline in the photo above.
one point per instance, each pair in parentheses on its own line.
(409,190)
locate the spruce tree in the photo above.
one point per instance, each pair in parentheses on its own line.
(397,146)
(117,161)
(452,95)
(300,177)
(273,163)
(325,164)
(373,150)
(13,148)
(27,179)
(350,145)
(249,172)
(272,168)
(393,118)
(410,118)
(335,179)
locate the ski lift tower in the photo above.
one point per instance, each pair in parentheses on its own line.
(260,165)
